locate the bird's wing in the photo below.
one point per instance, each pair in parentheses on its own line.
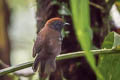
(37,45)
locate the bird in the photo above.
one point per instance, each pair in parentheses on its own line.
(47,46)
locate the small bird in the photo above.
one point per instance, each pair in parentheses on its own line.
(47,46)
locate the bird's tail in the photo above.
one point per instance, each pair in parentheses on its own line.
(44,66)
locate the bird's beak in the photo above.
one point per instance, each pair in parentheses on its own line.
(66,24)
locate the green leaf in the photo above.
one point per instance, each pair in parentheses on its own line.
(117,3)
(81,20)
(116,44)
(109,64)
(108,41)
(117,0)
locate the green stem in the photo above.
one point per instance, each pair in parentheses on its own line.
(60,57)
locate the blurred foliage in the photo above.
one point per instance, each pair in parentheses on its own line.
(64,10)
(2,26)
(4,39)
(20,3)
(81,19)
(109,64)
(117,3)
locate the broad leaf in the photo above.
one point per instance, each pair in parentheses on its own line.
(109,64)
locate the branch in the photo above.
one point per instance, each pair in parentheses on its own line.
(60,57)
(97,6)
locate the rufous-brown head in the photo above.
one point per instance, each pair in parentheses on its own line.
(56,23)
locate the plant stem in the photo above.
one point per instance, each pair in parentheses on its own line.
(60,57)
